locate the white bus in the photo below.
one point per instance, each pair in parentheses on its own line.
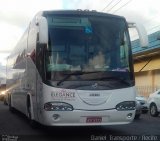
(73,68)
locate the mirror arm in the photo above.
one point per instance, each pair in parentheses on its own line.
(143,37)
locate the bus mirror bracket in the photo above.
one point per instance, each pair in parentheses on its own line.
(143,37)
(43,30)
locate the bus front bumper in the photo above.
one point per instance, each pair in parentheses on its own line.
(86,118)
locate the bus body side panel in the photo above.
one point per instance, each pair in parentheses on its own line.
(16,75)
(19,93)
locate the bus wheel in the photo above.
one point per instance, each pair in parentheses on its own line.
(10,106)
(32,123)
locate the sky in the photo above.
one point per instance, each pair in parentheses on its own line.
(15,15)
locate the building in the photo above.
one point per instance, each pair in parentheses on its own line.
(147,65)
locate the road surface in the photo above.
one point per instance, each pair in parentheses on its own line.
(15,126)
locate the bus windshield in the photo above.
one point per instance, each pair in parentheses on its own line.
(87,44)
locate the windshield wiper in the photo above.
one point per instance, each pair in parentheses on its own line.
(68,75)
(116,78)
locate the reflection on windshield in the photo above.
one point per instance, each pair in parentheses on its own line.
(86,44)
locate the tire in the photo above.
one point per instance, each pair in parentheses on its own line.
(5,102)
(144,111)
(11,109)
(153,110)
(137,116)
(32,123)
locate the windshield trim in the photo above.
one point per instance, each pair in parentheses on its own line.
(129,47)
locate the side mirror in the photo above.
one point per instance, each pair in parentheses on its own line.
(43,30)
(143,37)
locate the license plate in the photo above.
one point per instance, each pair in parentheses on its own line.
(94,119)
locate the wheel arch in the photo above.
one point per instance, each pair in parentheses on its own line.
(152,103)
(29,102)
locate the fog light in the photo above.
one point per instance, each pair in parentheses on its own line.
(56,116)
(129,115)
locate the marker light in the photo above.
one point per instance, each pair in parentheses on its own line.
(58,106)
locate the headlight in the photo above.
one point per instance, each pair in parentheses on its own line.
(3,93)
(58,106)
(126,105)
